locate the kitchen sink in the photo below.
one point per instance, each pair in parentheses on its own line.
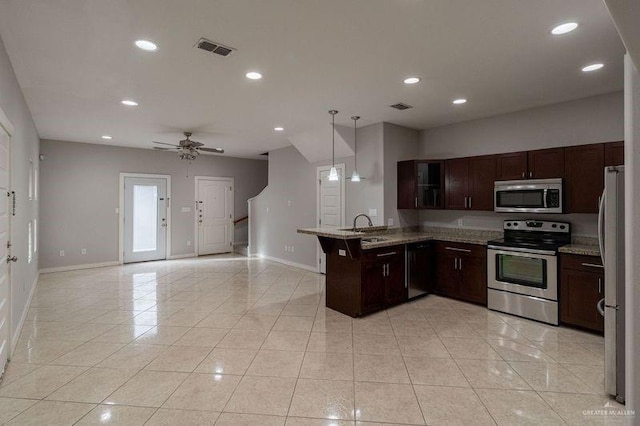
(373,239)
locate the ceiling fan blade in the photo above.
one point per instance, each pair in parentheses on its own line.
(216,150)
(196,144)
(161,149)
(164,143)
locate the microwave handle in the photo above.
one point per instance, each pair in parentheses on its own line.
(545,197)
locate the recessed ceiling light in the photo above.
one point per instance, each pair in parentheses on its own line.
(279,129)
(412,80)
(107,137)
(129,102)
(565,28)
(254,75)
(592,67)
(459,101)
(147,45)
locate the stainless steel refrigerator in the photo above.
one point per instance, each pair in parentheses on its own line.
(611,238)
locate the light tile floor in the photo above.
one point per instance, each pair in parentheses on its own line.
(236,341)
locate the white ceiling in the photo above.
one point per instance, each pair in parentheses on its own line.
(75,61)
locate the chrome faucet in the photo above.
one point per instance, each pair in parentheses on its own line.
(356,218)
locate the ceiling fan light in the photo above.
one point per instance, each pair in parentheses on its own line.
(333,174)
(355,177)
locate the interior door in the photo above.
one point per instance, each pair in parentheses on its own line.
(5,225)
(215,216)
(330,208)
(145,219)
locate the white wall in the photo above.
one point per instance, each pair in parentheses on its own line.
(293,178)
(589,120)
(24,148)
(584,121)
(80,185)
(632,228)
(400,143)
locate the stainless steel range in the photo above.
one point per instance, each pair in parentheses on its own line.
(522,269)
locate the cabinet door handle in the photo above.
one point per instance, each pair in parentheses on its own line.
(384,269)
(593,265)
(524,174)
(530,174)
(391,253)
(460,264)
(599,285)
(470,202)
(416,202)
(455,263)
(457,249)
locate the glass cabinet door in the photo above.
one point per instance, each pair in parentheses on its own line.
(430,184)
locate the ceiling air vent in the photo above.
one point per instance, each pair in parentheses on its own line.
(213,47)
(266,154)
(400,106)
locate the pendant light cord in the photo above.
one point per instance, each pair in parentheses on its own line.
(333,113)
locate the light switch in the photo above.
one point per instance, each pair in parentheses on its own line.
(390,221)
(186,209)
(289,202)
(342,252)
(373,212)
(117,210)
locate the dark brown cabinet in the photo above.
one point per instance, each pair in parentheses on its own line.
(545,163)
(584,167)
(581,288)
(462,272)
(614,153)
(511,166)
(538,164)
(383,282)
(469,183)
(420,184)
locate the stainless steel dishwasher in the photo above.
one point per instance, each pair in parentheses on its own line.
(420,268)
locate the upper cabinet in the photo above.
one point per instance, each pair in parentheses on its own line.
(546,163)
(469,183)
(511,166)
(538,164)
(420,184)
(584,166)
(614,153)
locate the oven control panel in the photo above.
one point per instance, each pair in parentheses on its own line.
(537,225)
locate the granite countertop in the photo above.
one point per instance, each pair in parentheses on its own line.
(396,236)
(586,246)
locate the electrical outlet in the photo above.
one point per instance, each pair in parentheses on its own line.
(460,222)
(286,248)
(373,212)
(84,251)
(289,202)
(390,221)
(61,252)
(188,243)
(185,209)
(293,248)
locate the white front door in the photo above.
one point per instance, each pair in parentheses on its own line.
(5,252)
(214,215)
(145,219)
(330,205)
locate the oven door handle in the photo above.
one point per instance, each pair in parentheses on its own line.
(506,250)
(544,198)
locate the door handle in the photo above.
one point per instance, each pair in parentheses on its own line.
(600,306)
(11,259)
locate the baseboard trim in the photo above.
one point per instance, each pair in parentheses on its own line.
(77,267)
(182,256)
(289,263)
(23,317)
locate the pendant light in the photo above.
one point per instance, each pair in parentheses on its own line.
(355,177)
(333,173)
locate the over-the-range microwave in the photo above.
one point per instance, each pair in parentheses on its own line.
(528,196)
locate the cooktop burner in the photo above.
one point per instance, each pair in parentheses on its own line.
(534,234)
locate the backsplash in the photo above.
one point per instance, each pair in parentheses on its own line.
(581,224)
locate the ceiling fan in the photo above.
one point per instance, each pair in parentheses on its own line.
(187,148)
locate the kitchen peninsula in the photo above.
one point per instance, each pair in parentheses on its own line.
(367,268)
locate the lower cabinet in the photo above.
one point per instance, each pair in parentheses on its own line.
(462,272)
(383,282)
(581,288)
